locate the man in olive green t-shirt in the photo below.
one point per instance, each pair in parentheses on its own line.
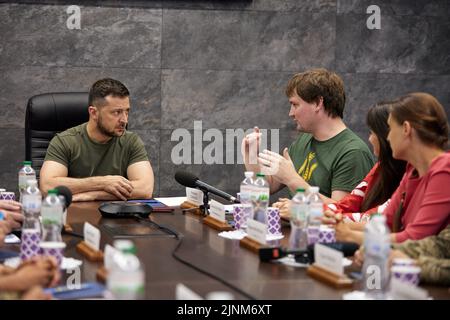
(326,154)
(100,160)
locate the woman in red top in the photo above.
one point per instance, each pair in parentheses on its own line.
(420,206)
(373,193)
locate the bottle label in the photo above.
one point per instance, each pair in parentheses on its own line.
(261,195)
(246,194)
(22,181)
(52,215)
(299,213)
(315,213)
(31,202)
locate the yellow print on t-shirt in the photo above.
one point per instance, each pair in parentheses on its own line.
(307,168)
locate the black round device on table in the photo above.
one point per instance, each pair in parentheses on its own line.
(124,209)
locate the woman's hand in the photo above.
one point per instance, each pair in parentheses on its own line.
(330,217)
(36,293)
(283,204)
(40,271)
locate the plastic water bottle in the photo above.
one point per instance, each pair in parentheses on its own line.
(62,199)
(260,198)
(31,227)
(315,211)
(126,279)
(376,254)
(52,213)
(25,173)
(246,188)
(32,199)
(299,221)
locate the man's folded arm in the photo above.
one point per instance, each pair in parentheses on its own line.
(54,174)
(95,196)
(142,179)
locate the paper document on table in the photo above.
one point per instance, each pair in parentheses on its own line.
(172,201)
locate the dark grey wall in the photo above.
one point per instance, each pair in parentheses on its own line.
(223,62)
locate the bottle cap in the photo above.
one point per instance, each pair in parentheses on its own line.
(27,163)
(52,191)
(314,189)
(248,174)
(300,190)
(260,174)
(125,246)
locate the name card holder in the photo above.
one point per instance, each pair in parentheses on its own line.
(68,228)
(189,207)
(89,247)
(256,238)
(194,200)
(216,224)
(251,244)
(328,268)
(87,251)
(216,217)
(335,280)
(108,261)
(101,274)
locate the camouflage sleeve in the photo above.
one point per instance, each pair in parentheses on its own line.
(433,246)
(432,255)
(434,270)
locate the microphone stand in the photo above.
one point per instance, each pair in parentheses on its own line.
(205,205)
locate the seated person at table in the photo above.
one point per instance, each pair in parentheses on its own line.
(326,154)
(12,213)
(27,280)
(373,193)
(420,207)
(431,254)
(100,159)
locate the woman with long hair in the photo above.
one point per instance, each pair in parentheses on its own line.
(374,192)
(420,207)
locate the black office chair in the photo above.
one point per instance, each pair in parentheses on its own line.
(48,114)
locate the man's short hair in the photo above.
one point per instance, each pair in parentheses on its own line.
(105,87)
(315,83)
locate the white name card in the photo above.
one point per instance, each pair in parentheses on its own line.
(194,196)
(329,258)
(184,293)
(257,231)
(217,210)
(110,251)
(91,236)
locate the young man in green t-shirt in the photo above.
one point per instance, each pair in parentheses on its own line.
(100,160)
(326,154)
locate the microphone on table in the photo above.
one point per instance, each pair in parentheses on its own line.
(188,179)
(275,253)
(307,255)
(66,193)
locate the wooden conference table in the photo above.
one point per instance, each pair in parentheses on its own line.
(202,247)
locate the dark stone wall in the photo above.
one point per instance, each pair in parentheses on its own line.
(225,63)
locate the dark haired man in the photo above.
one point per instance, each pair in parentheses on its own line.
(100,160)
(326,154)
